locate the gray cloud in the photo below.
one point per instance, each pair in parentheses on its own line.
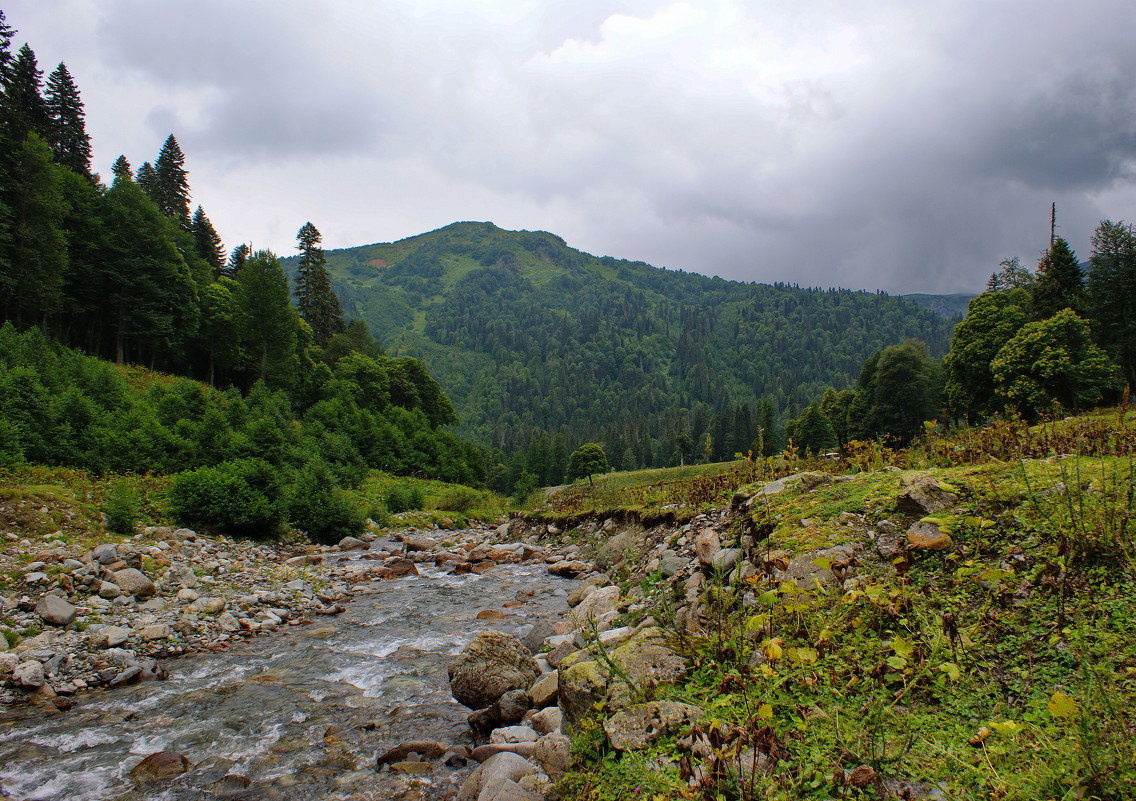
(857,143)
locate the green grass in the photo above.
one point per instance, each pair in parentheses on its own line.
(1004,668)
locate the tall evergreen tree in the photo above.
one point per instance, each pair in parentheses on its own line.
(25,109)
(267,321)
(69,141)
(38,250)
(1112,293)
(318,305)
(237,260)
(121,170)
(147,180)
(171,183)
(1060,282)
(6,34)
(207,242)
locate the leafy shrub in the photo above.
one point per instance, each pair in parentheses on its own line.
(457,498)
(320,508)
(240,497)
(404,498)
(122,507)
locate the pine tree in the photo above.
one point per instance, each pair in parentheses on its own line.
(207,241)
(1112,292)
(267,321)
(121,170)
(237,260)
(1060,282)
(317,303)
(171,183)
(6,34)
(69,141)
(25,109)
(147,180)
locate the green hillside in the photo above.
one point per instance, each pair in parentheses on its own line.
(949,306)
(526,334)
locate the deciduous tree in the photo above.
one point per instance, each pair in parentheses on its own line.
(587,460)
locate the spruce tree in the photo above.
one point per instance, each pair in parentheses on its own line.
(207,242)
(317,303)
(1060,282)
(237,260)
(171,184)
(147,180)
(121,170)
(1112,293)
(25,109)
(69,141)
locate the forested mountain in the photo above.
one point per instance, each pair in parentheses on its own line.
(528,335)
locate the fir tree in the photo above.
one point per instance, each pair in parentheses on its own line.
(237,260)
(147,180)
(171,183)
(121,170)
(25,109)
(207,241)
(6,34)
(1060,282)
(69,141)
(318,305)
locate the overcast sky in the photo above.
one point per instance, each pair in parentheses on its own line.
(906,146)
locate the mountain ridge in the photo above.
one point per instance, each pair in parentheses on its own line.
(528,335)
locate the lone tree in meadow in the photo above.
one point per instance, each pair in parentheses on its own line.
(587,460)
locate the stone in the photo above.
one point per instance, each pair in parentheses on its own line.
(616,550)
(401,567)
(586,588)
(812,480)
(544,692)
(534,638)
(553,754)
(642,659)
(640,725)
(352,544)
(109,637)
(483,752)
(925,497)
(512,706)
(488,667)
(670,565)
(573,569)
(227,622)
(109,590)
(547,720)
(927,536)
(726,559)
(416,543)
(425,749)
(134,582)
(513,734)
(490,614)
(561,652)
(29,674)
(187,595)
(55,611)
(105,554)
(706,546)
(157,631)
(501,789)
(502,766)
(595,606)
(162,766)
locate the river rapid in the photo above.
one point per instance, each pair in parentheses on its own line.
(295,715)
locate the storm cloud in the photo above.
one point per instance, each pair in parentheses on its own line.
(866,144)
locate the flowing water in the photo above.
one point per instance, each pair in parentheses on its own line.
(297,715)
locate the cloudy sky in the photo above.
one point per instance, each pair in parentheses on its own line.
(861,143)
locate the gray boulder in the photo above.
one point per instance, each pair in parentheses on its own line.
(134,582)
(640,725)
(492,773)
(55,611)
(488,667)
(29,674)
(925,497)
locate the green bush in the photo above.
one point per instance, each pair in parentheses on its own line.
(320,508)
(457,498)
(404,498)
(122,507)
(240,497)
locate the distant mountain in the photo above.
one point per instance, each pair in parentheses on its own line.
(527,334)
(950,306)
